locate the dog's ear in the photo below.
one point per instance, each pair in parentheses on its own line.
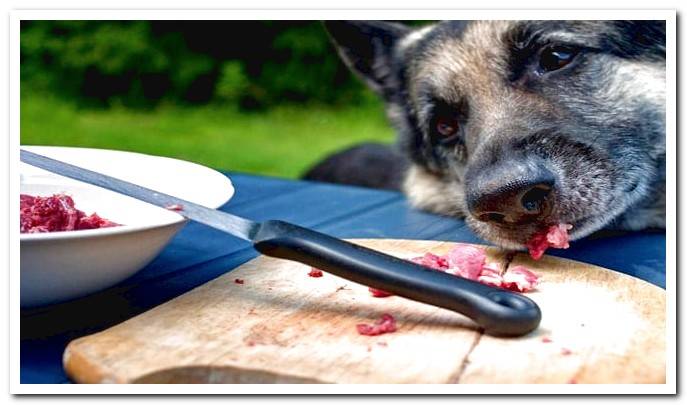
(367,48)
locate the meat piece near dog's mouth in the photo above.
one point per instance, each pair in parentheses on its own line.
(470,262)
(555,236)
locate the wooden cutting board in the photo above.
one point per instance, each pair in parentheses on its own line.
(282,326)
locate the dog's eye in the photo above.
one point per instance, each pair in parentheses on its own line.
(556,57)
(447,126)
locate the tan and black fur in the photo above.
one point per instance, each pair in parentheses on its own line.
(595,127)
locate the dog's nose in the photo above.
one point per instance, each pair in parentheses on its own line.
(512,195)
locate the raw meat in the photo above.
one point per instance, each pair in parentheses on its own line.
(55,214)
(175,207)
(519,278)
(466,261)
(379,293)
(555,236)
(490,276)
(432,261)
(94,221)
(470,262)
(387,324)
(315,272)
(558,236)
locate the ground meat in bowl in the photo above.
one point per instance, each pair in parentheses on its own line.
(56,213)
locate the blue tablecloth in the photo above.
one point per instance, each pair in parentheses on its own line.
(198,254)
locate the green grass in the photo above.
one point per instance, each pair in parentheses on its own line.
(281,142)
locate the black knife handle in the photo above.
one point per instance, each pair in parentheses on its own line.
(497,311)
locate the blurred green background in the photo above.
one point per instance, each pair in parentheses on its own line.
(266,97)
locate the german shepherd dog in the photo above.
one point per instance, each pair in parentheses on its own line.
(516,125)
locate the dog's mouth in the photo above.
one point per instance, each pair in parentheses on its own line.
(522,209)
(519,236)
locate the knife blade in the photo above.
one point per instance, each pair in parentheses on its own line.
(497,311)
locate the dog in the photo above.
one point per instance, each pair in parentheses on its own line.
(516,125)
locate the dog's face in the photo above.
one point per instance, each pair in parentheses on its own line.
(518,125)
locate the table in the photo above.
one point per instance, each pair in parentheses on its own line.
(198,254)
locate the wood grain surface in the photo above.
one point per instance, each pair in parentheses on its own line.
(283,326)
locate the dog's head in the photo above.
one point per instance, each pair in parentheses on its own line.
(520,124)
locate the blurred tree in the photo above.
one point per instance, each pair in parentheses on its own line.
(250,64)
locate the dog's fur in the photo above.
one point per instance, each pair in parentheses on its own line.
(598,123)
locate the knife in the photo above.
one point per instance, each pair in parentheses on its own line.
(499,312)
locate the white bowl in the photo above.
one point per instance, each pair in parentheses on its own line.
(58,266)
